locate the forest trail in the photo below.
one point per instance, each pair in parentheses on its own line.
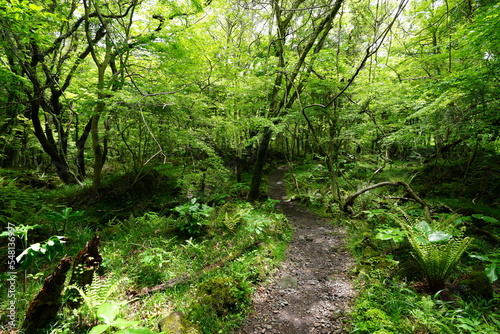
(311,291)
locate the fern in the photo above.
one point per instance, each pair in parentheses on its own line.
(437,247)
(98,292)
(232,218)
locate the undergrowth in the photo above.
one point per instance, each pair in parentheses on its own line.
(212,253)
(393,291)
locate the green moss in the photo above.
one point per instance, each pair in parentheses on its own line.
(411,270)
(176,323)
(477,285)
(223,294)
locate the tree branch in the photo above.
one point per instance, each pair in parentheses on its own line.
(349,201)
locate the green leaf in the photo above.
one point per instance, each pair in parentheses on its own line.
(424,227)
(107,312)
(482,258)
(492,272)
(487,219)
(135,331)
(99,329)
(391,234)
(121,323)
(439,236)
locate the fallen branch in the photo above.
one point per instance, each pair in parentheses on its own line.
(349,201)
(187,277)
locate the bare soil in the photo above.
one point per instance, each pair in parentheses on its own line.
(311,291)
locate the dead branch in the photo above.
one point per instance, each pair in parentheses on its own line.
(187,277)
(349,201)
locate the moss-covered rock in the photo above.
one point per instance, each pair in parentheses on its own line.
(476,285)
(411,270)
(223,295)
(176,323)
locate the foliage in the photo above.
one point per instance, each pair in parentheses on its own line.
(17,206)
(386,303)
(21,231)
(66,215)
(107,313)
(49,248)
(97,293)
(175,104)
(193,217)
(493,269)
(394,234)
(437,248)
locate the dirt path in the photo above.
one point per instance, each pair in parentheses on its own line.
(310,293)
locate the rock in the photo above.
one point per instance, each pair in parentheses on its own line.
(289,282)
(477,285)
(176,323)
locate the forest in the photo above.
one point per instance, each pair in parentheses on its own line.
(139,141)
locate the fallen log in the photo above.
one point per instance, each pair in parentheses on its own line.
(349,201)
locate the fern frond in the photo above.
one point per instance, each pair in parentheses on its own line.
(99,291)
(437,258)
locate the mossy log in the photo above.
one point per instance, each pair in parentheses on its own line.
(42,311)
(349,201)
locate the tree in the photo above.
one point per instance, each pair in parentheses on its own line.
(46,52)
(302,28)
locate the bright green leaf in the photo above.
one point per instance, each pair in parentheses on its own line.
(121,323)
(107,312)
(492,272)
(99,329)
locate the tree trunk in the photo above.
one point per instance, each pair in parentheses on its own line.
(57,157)
(86,263)
(43,310)
(254,193)
(96,145)
(80,145)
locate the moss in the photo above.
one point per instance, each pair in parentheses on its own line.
(176,323)
(411,270)
(477,285)
(369,252)
(223,295)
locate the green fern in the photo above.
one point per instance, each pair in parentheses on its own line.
(437,247)
(98,292)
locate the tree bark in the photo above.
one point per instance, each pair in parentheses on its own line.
(86,263)
(43,310)
(254,193)
(80,145)
(58,159)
